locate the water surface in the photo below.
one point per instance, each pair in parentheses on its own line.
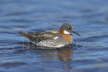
(88,17)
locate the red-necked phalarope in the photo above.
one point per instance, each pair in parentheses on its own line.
(52,38)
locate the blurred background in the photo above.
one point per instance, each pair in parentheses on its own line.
(88,17)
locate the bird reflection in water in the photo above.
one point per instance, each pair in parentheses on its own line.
(62,54)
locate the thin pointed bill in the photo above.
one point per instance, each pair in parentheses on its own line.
(76,33)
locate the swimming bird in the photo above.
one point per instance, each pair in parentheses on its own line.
(52,39)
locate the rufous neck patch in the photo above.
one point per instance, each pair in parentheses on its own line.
(67,37)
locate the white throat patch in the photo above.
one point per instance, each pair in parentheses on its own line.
(66,32)
(56,37)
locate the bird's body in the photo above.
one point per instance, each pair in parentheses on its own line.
(51,38)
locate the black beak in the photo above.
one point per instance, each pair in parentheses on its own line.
(76,33)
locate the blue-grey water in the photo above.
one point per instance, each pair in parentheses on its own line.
(88,17)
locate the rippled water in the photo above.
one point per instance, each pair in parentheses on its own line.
(88,17)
